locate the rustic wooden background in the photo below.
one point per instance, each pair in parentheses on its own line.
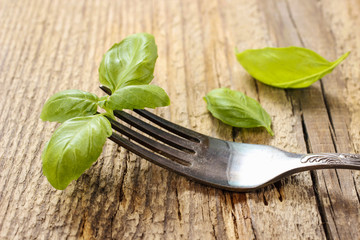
(52,45)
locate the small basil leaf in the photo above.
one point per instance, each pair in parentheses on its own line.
(72,149)
(68,104)
(138,97)
(236,109)
(290,67)
(130,62)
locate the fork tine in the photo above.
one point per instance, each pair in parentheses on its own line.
(172,127)
(171,153)
(105,89)
(146,154)
(170,139)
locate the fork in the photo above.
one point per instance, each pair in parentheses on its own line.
(222,164)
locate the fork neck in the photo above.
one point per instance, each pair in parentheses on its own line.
(331,160)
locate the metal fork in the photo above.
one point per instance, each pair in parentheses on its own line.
(227,165)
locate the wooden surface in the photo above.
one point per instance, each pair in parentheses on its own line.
(52,45)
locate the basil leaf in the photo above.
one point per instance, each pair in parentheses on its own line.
(236,109)
(130,62)
(72,149)
(290,67)
(68,104)
(138,97)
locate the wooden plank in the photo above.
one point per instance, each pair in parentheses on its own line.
(291,203)
(324,111)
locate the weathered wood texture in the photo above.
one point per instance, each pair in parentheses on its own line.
(47,46)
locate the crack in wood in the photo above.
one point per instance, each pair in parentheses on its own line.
(234,133)
(256,89)
(332,212)
(356,189)
(305,132)
(169,201)
(213,232)
(219,214)
(178,204)
(338,179)
(328,111)
(279,188)
(121,193)
(233,217)
(253,229)
(320,207)
(81,227)
(261,193)
(294,23)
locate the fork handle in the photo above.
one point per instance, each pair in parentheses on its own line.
(331,160)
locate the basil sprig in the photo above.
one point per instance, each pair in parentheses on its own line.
(127,69)
(289,67)
(236,109)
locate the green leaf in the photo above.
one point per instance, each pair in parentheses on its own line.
(236,109)
(138,97)
(68,104)
(130,62)
(72,149)
(290,67)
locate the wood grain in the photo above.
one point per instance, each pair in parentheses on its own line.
(52,45)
